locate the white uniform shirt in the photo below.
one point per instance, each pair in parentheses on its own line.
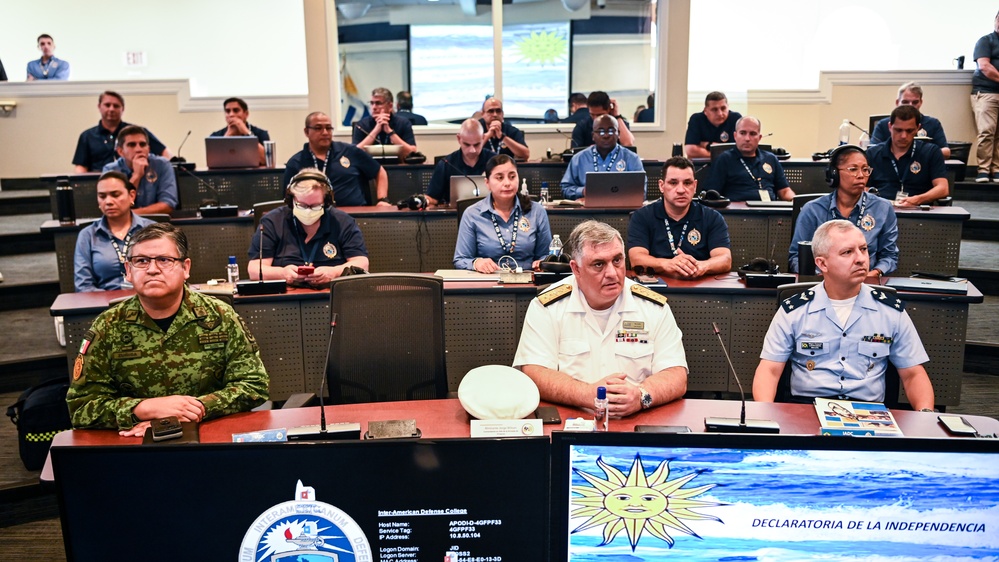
(641,338)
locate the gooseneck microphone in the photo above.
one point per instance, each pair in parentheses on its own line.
(177,159)
(347,430)
(261,287)
(741,425)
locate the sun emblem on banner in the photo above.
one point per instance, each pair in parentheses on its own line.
(636,502)
(542,47)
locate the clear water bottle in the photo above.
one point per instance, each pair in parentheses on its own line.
(232,270)
(600,409)
(523,188)
(844,132)
(865,140)
(544,193)
(555,248)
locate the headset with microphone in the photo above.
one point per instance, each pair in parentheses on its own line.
(313,175)
(835,157)
(415,202)
(713,199)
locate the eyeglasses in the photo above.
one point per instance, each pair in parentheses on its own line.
(318,207)
(162,262)
(605,132)
(321,128)
(862,171)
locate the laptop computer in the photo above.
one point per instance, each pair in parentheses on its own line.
(232,152)
(923,285)
(778,203)
(463,187)
(614,190)
(384,153)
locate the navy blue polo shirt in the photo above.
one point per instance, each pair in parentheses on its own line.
(699,129)
(400,125)
(440,182)
(917,169)
(349,170)
(414,118)
(987,46)
(95,147)
(647,115)
(337,239)
(582,134)
(931,125)
(581,114)
(261,134)
(509,130)
(729,175)
(701,230)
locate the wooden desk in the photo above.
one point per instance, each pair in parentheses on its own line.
(447,418)
(483,321)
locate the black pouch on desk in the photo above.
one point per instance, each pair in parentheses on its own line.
(190,435)
(39,413)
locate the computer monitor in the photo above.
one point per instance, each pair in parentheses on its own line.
(361,500)
(872,122)
(773,497)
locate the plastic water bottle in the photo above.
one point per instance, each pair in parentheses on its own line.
(865,140)
(523,188)
(600,409)
(555,248)
(544,193)
(844,132)
(232,270)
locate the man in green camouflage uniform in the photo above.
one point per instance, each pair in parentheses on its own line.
(168,351)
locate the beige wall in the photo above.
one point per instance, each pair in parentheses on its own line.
(39,137)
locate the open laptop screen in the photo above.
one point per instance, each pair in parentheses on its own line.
(759,497)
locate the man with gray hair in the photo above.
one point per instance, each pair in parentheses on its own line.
(383,126)
(597,328)
(840,334)
(469,160)
(747,172)
(911,93)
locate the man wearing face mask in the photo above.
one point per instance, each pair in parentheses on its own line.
(309,232)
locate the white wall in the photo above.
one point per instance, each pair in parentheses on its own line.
(225,47)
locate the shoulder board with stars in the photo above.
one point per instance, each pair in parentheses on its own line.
(643,292)
(554,295)
(797,301)
(887,299)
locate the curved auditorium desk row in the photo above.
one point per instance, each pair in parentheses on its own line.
(483,321)
(419,241)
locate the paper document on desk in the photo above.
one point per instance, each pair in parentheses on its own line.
(466,275)
(849,417)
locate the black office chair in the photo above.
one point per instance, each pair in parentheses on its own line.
(463,204)
(389,339)
(797,203)
(261,209)
(784,384)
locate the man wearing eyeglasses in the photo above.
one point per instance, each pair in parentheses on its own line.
(746,172)
(383,126)
(905,165)
(309,231)
(605,155)
(152,175)
(167,351)
(840,334)
(847,174)
(349,168)
(676,237)
(501,137)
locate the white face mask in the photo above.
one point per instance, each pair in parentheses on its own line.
(308,216)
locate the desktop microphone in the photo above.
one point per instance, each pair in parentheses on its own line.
(475,186)
(741,425)
(178,159)
(321,432)
(261,287)
(858,127)
(211,208)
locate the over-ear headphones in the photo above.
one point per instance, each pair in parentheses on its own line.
(415,158)
(713,199)
(314,175)
(759,265)
(837,154)
(415,202)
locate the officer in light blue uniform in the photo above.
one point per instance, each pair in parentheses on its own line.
(840,334)
(605,155)
(847,175)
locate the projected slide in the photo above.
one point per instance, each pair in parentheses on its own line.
(646,503)
(451,69)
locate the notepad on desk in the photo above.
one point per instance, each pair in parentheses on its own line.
(850,417)
(466,275)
